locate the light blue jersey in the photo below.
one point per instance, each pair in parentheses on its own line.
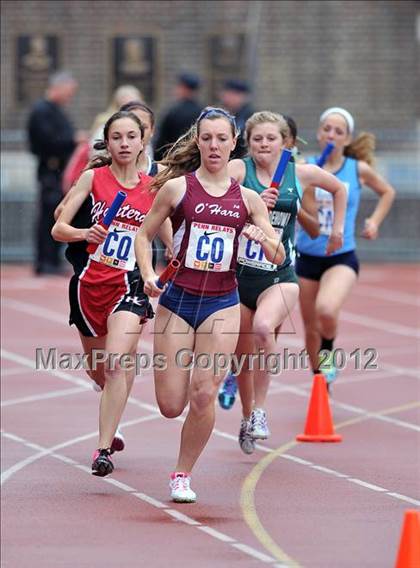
(348,175)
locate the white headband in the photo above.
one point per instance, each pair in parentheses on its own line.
(344,113)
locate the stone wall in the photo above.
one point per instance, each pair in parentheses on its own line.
(302,56)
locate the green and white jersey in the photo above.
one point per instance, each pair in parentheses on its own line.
(251,257)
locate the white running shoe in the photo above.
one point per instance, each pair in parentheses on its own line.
(118,443)
(181,491)
(245,439)
(259,426)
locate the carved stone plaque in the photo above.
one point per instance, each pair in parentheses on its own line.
(135,63)
(227,59)
(36,60)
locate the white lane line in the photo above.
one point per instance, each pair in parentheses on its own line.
(351,408)
(42,452)
(23,284)
(216,534)
(388,295)
(291,458)
(367,485)
(50,315)
(226,435)
(327,470)
(33,310)
(150,500)
(412,372)
(181,517)
(45,396)
(356,378)
(12,371)
(252,552)
(384,326)
(364,484)
(30,363)
(404,498)
(119,484)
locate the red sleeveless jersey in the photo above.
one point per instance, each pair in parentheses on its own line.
(208,230)
(115,257)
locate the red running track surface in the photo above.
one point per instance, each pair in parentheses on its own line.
(288,504)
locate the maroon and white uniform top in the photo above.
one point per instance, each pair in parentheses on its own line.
(206,233)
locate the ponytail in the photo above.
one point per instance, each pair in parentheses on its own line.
(362,148)
(181,158)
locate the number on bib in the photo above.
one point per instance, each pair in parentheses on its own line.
(118,248)
(210,247)
(325,211)
(251,253)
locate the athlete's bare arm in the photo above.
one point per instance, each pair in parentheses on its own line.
(165,234)
(308,213)
(62,204)
(386,192)
(237,170)
(261,231)
(165,203)
(62,230)
(311,176)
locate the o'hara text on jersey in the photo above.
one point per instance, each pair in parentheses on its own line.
(215,209)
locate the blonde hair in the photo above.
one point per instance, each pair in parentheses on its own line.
(121,96)
(362,148)
(263,117)
(184,155)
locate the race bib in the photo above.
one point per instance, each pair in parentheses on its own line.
(210,247)
(251,253)
(117,250)
(325,204)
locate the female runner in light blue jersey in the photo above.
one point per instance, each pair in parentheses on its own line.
(326,280)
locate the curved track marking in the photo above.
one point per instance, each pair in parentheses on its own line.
(43,452)
(174,513)
(247,498)
(249,512)
(45,396)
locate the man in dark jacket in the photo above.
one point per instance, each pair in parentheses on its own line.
(235,97)
(52,140)
(181,115)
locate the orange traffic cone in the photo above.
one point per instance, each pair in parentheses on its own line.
(319,425)
(409,551)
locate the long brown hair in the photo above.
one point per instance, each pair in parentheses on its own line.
(362,148)
(99,161)
(184,155)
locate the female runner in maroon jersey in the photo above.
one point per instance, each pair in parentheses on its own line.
(106,292)
(197,320)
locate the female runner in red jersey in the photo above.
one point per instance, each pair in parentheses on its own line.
(106,292)
(197,320)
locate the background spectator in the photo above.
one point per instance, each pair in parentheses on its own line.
(235,97)
(181,115)
(52,139)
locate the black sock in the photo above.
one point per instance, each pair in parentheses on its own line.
(326,344)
